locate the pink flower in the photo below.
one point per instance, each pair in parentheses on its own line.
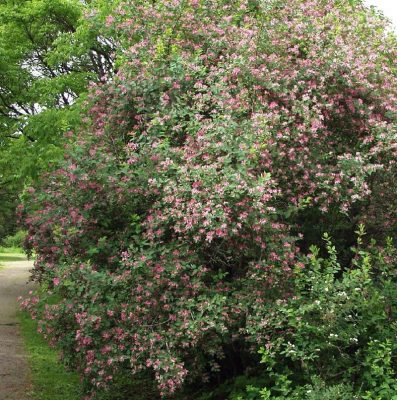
(109,20)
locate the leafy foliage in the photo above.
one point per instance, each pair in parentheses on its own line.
(49,53)
(334,337)
(15,241)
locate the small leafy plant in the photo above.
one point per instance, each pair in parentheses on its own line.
(335,337)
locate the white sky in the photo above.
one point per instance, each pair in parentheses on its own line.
(389,8)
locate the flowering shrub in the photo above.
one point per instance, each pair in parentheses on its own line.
(176,219)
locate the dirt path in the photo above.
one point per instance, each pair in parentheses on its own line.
(14,370)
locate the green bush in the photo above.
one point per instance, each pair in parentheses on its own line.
(335,337)
(16,240)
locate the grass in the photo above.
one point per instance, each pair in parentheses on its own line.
(51,381)
(11,254)
(4,257)
(11,250)
(49,378)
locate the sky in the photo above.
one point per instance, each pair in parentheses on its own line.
(389,8)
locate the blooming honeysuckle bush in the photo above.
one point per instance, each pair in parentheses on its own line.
(174,220)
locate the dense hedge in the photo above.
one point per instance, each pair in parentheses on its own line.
(233,135)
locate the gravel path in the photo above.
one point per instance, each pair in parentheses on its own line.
(14,370)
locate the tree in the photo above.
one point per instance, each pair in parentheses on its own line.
(49,52)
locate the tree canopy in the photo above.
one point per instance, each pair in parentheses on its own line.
(49,52)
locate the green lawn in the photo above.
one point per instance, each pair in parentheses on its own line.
(4,257)
(11,250)
(50,379)
(52,382)
(10,254)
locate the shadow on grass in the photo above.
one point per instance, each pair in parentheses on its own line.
(49,378)
(51,381)
(5,257)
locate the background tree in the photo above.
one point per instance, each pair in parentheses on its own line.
(49,52)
